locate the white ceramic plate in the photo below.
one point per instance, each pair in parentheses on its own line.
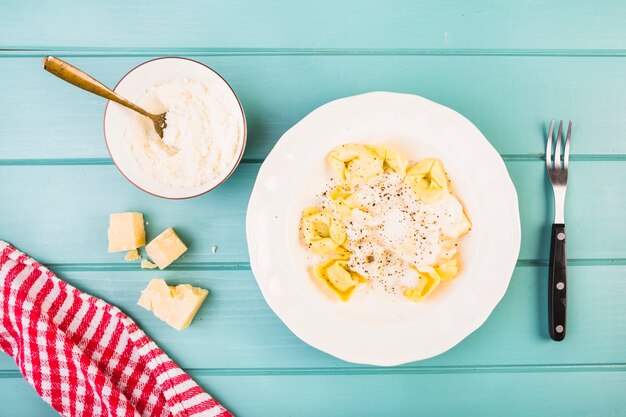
(117,119)
(365,329)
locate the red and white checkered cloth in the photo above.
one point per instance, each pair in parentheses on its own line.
(83,356)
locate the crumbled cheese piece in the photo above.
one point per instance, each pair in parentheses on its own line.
(165,248)
(126,231)
(146,264)
(177,306)
(132,255)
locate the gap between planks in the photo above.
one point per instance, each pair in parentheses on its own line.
(108,161)
(400,370)
(245,266)
(113,52)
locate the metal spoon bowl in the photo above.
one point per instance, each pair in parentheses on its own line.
(73,75)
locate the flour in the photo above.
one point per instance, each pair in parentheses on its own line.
(202,137)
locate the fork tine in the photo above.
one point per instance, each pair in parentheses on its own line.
(566,155)
(557,150)
(549,146)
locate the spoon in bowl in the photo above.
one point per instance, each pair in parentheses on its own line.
(73,75)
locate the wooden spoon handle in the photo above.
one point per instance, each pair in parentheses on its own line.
(73,75)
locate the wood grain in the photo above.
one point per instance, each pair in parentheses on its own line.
(63,216)
(580,394)
(428,24)
(510,99)
(507,66)
(236,330)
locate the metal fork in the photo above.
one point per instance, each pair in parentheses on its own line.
(557,161)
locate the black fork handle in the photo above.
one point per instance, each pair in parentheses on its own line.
(557,281)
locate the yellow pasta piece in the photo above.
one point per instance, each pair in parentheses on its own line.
(310,211)
(342,201)
(447,269)
(354,163)
(392,160)
(465,225)
(322,232)
(338,196)
(428,180)
(427,283)
(323,246)
(338,278)
(339,192)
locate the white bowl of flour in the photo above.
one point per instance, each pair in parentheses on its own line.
(205,134)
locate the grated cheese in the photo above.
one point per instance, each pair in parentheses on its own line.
(201,139)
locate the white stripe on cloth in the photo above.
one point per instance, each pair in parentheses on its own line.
(177,408)
(179,388)
(157,360)
(27,305)
(78,318)
(164,376)
(62,312)
(88,336)
(196,399)
(212,412)
(12,299)
(104,341)
(147,348)
(134,336)
(59,354)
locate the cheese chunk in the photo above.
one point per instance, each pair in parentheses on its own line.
(146,264)
(177,306)
(126,231)
(132,255)
(165,248)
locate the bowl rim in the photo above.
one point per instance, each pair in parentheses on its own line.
(243,116)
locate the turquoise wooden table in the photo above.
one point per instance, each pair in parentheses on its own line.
(508,66)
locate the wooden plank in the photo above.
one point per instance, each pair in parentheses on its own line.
(474,395)
(235,329)
(508,98)
(19,399)
(60,213)
(578,394)
(75,218)
(323,24)
(507,66)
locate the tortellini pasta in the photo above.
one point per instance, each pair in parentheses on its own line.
(342,201)
(355,164)
(352,210)
(392,160)
(429,280)
(428,180)
(322,232)
(447,269)
(337,276)
(465,225)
